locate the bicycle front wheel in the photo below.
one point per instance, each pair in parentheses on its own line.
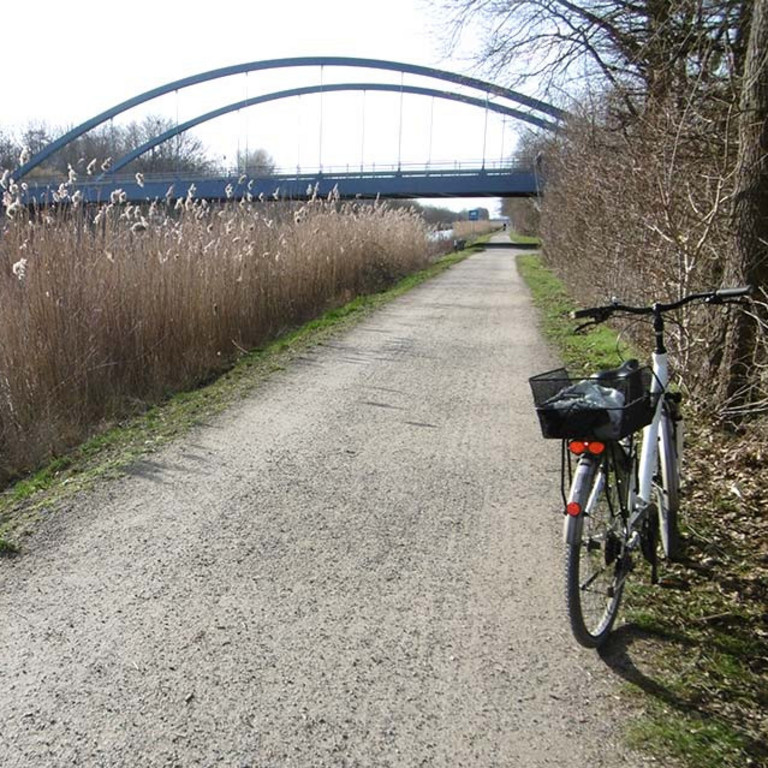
(594,572)
(667,487)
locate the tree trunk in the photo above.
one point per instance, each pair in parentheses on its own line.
(748,262)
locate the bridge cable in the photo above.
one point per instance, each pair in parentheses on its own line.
(431,125)
(147,146)
(298,137)
(320,148)
(400,128)
(503,135)
(247,131)
(485,129)
(177,158)
(362,140)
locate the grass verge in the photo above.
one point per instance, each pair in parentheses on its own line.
(524,239)
(597,349)
(693,651)
(106,454)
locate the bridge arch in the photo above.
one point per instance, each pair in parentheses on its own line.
(303,61)
(334,87)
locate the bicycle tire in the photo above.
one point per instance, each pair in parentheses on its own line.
(667,488)
(594,563)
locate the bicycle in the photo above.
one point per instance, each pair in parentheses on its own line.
(623,493)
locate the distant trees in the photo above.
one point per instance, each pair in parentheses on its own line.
(436,216)
(94,151)
(181,154)
(255,162)
(524,213)
(9,151)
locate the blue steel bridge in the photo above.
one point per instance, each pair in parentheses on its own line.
(459,180)
(480,179)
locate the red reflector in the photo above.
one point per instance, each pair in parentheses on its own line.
(578,447)
(573,508)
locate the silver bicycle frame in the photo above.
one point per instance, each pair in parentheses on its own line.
(652,434)
(640,494)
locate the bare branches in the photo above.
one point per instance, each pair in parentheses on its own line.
(652,189)
(646,49)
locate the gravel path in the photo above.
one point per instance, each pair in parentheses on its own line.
(357,566)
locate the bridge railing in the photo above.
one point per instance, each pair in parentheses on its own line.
(350,170)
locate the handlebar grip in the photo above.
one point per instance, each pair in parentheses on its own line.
(580,313)
(732,293)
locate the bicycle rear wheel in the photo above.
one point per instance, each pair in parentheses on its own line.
(594,565)
(667,487)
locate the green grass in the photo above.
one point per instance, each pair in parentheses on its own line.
(598,348)
(8,548)
(693,651)
(524,239)
(690,739)
(107,454)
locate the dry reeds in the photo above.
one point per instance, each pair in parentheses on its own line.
(101,309)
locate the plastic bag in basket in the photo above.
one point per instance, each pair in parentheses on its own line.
(588,396)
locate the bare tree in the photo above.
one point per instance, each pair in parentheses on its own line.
(183,153)
(677,199)
(9,154)
(524,213)
(642,49)
(748,259)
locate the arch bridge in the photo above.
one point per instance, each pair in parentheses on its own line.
(502,179)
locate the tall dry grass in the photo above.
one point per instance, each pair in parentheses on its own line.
(105,309)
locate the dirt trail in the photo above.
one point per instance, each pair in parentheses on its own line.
(357,566)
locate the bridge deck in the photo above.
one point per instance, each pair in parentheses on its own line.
(389,183)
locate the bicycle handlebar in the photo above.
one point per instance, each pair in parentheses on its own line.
(729,293)
(721,296)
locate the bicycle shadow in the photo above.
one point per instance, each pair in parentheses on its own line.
(628,653)
(617,654)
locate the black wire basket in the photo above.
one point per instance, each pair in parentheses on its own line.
(606,406)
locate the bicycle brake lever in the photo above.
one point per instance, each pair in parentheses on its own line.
(724,302)
(583,326)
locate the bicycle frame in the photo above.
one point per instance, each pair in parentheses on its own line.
(656,435)
(653,433)
(639,496)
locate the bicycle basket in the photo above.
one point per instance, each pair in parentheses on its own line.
(608,408)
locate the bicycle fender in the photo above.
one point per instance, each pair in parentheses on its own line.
(572,529)
(579,493)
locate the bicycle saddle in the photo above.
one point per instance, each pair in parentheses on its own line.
(624,370)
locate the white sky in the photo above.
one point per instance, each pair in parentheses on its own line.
(66,62)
